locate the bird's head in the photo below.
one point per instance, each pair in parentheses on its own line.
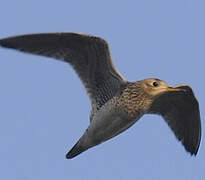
(154,87)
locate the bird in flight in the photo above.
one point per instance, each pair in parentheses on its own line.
(116,103)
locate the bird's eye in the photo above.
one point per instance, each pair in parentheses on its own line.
(155,84)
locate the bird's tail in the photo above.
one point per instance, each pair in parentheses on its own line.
(76,149)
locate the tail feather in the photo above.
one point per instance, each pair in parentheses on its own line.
(76,149)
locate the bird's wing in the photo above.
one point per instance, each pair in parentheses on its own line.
(181,111)
(88,55)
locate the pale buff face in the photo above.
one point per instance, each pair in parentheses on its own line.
(155,87)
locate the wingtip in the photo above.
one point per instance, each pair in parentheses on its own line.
(192,152)
(5,43)
(1,42)
(195,152)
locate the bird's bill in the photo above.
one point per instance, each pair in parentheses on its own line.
(173,89)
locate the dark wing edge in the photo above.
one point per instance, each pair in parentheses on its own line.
(88,55)
(181,111)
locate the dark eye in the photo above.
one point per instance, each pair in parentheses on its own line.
(155,84)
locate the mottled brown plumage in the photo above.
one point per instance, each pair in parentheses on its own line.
(116,103)
(134,99)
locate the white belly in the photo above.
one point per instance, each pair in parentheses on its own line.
(106,124)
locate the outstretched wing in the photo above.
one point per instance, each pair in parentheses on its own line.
(88,55)
(181,111)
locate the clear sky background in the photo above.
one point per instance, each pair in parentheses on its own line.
(44,108)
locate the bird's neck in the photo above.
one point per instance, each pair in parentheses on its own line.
(135,100)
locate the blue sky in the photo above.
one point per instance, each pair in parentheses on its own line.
(44,108)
